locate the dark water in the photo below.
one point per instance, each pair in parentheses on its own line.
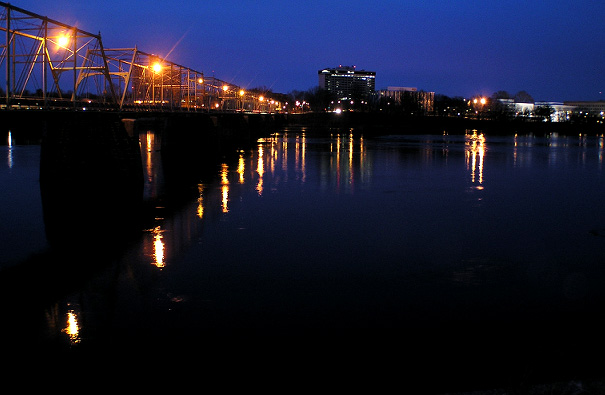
(454,262)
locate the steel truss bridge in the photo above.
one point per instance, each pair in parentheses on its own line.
(49,64)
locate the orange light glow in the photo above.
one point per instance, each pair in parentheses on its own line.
(475,153)
(63,41)
(72,329)
(200,201)
(158,248)
(157,67)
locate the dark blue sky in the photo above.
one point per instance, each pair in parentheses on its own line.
(552,49)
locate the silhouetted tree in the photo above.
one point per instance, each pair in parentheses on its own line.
(501,95)
(523,97)
(544,112)
(502,107)
(450,106)
(318,99)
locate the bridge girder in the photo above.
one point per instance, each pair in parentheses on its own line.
(37,51)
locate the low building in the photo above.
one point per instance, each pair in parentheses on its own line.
(594,108)
(559,112)
(410,99)
(556,111)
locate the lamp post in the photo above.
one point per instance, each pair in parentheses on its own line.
(225,101)
(157,69)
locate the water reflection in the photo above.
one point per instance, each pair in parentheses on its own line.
(10,150)
(225,187)
(72,328)
(200,201)
(158,247)
(394,178)
(260,168)
(600,150)
(559,150)
(154,176)
(241,168)
(475,153)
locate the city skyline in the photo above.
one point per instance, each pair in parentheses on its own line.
(456,48)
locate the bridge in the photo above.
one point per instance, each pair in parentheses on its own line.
(48,64)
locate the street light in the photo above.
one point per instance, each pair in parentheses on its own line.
(63,40)
(157,67)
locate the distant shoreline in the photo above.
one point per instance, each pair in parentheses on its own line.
(381,123)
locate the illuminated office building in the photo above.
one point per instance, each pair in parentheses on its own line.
(348,83)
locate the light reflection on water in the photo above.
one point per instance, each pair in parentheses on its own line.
(307,231)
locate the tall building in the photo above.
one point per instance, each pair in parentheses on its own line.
(348,83)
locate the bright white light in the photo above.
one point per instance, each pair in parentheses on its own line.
(63,41)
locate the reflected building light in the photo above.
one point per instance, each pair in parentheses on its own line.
(297,154)
(224,174)
(475,152)
(300,156)
(600,151)
(72,327)
(10,150)
(362,160)
(225,198)
(515,151)
(260,169)
(351,148)
(274,154)
(200,201)
(225,187)
(241,168)
(158,248)
(284,153)
(338,142)
(303,168)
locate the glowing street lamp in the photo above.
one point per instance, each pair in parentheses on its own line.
(157,67)
(63,40)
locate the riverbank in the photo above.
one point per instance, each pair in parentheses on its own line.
(27,127)
(382,123)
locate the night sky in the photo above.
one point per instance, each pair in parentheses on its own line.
(554,50)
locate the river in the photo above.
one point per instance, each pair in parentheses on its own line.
(474,258)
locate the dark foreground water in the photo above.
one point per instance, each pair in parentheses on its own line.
(449,262)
